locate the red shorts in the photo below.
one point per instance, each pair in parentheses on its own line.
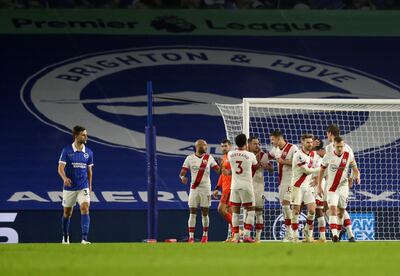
(225,196)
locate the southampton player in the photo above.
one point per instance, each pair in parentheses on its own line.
(302,192)
(319,211)
(199,165)
(242,191)
(75,168)
(337,163)
(344,219)
(258,182)
(283,153)
(224,183)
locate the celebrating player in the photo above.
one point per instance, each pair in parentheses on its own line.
(302,192)
(75,168)
(343,218)
(224,182)
(283,153)
(338,163)
(199,165)
(318,147)
(242,191)
(258,182)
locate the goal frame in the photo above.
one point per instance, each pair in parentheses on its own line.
(248,101)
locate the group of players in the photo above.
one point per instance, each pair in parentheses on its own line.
(312,176)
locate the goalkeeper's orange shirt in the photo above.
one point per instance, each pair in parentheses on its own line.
(224,181)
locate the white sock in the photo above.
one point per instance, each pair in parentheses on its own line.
(295,225)
(235,224)
(310,220)
(244,215)
(206,221)
(192,224)
(229,232)
(287,213)
(333,220)
(347,224)
(249,223)
(321,226)
(259,224)
(340,223)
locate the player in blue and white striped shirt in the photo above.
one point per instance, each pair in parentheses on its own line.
(75,168)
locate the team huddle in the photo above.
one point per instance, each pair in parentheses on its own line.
(314,177)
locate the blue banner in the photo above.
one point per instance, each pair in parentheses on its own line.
(52,82)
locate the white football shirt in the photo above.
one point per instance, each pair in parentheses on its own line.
(258,175)
(193,163)
(300,159)
(284,171)
(241,163)
(337,173)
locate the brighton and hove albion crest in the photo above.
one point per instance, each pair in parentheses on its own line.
(57,93)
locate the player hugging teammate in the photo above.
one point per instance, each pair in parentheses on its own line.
(311,176)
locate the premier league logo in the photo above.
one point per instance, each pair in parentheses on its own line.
(172,24)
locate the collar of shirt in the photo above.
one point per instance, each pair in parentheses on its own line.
(75,149)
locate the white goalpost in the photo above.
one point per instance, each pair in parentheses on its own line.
(370,126)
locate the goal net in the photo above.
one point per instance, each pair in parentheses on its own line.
(370,127)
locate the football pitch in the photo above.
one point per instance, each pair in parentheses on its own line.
(214,258)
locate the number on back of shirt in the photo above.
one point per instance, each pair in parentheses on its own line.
(240,168)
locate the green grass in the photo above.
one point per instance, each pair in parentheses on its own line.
(375,258)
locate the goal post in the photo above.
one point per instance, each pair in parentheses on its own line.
(370,126)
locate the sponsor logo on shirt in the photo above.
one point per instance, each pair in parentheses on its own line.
(78,165)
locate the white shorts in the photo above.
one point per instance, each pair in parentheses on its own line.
(325,196)
(70,198)
(339,198)
(285,191)
(302,195)
(199,198)
(259,198)
(242,197)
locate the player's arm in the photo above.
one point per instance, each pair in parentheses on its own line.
(266,164)
(284,161)
(320,177)
(90,171)
(226,170)
(182,175)
(305,169)
(219,185)
(90,177)
(289,158)
(215,165)
(217,169)
(61,173)
(185,168)
(303,166)
(355,172)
